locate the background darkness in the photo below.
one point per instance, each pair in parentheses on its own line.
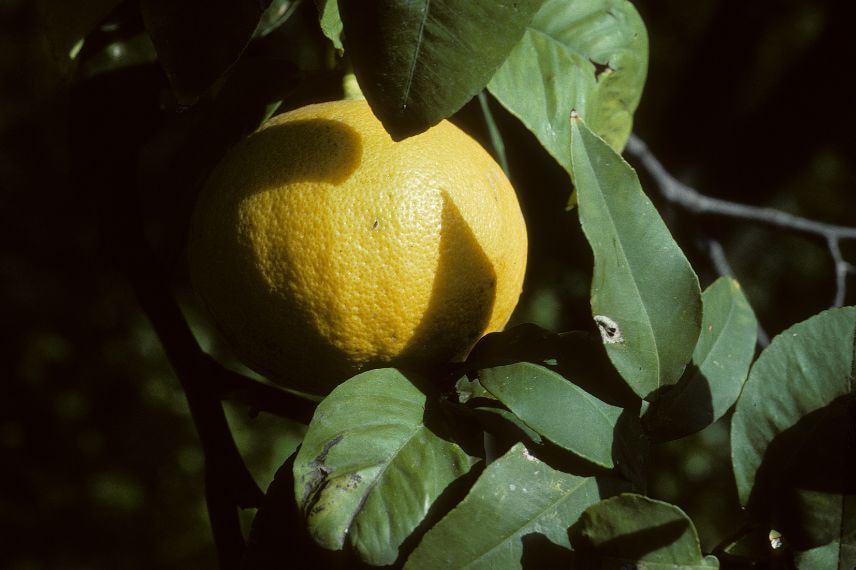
(99,463)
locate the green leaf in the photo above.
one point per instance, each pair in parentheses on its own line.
(277,13)
(68,22)
(198,41)
(645,295)
(418,62)
(632,531)
(517,495)
(722,358)
(587,55)
(565,414)
(369,468)
(792,448)
(839,554)
(331,24)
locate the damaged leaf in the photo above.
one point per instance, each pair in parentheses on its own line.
(588,55)
(645,296)
(369,468)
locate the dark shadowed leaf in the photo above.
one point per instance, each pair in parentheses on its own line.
(418,62)
(369,468)
(331,24)
(576,355)
(517,495)
(721,362)
(565,414)
(198,41)
(632,531)
(588,55)
(645,296)
(68,22)
(839,554)
(792,443)
(277,13)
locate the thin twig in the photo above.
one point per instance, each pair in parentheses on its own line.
(691,199)
(228,483)
(842,268)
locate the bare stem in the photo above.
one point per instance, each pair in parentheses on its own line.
(692,200)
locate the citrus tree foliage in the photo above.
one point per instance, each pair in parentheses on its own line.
(532,453)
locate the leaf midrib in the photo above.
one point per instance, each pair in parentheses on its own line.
(416,50)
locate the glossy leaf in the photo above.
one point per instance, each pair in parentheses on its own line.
(645,296)
(331,23)
(198,41)
(418,62)
(632,531)
(369,468)
(792,450)
(565,414)
(516,496)
(588,55)
(721,362)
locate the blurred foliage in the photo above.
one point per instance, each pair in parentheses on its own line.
(101,466)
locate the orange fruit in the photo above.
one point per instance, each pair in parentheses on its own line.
(323,248)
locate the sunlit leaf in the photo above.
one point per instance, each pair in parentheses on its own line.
(721,362)
(369,468)
(792,447)
(516,496)
(418,62)
(565,414)
(632,531)
(645,296)
(587,55)
(331,24)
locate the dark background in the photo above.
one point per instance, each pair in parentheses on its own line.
(99,462)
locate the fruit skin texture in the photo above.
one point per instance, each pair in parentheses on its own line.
(322,248)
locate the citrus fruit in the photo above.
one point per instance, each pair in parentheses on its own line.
(323,248)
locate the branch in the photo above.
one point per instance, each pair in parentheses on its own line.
(691,199)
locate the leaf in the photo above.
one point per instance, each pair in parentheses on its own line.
(369,468)
(418,62)
(68,22)
(722,357)
(792,447)
(839,554)
(632,531)
(331,24)
(576,355)
(275,15)
(198,41)
(560,411)
(517,495)
(277,532)
(644,295)
(587,55)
